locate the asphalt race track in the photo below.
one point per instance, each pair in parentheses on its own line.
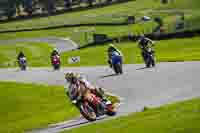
(62,44)
(137,87)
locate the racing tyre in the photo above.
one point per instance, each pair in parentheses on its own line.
(88,112)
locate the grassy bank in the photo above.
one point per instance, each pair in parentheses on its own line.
(105,14)
(166,50)
(182,117)
(153,8)
(78,34)
(37,54)
(28,106)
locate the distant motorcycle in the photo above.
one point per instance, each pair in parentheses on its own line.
(56,62)
(116,61)
(149,58)
(22,63)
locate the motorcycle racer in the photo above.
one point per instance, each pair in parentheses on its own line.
(147,52)
(78,88)
(112,50)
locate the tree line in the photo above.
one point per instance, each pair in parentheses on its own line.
(11,8)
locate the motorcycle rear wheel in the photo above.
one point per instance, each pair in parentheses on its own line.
(118,68)
(110,110)
(56,67)
(23,67)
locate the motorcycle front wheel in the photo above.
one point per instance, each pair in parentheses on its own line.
(88,112)
(118,68)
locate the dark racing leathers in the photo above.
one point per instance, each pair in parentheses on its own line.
(20,55)
(144,45)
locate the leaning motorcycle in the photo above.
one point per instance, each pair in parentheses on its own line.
(116,61)
(22,63)
(94,106)
(149,58)
(56,62)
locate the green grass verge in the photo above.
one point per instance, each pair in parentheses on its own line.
(38,54)
(28,106)
(108,14)
(182,117)
(78,34)
(166,50)
(105,14)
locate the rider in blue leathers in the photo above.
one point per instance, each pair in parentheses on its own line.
(112,50)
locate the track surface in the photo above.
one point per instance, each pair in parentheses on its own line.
(62,44)
(138,87)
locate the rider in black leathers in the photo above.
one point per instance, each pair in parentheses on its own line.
(20,55)
(144,43)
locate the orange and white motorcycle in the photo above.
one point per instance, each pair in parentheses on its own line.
(91,105)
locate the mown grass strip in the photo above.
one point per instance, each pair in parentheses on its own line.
(28,106)
(165,51)
(38,54)
(182,117)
